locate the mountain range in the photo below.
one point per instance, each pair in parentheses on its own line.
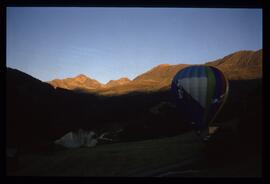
(38,113)
(239,65)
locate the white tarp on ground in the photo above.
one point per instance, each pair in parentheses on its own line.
(78,139)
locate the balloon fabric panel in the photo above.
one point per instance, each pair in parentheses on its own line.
(198,91)
(211,86)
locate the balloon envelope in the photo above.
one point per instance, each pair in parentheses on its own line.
(200,92)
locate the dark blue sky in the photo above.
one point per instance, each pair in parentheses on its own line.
(109,43)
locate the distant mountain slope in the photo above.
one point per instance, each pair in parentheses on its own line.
(121,81)
(242,65)
(161,74)
(153,80)
(239,65)
(157,78)
(80,81)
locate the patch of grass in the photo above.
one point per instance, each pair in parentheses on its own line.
(120,159)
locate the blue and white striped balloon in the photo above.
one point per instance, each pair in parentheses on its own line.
(200,93)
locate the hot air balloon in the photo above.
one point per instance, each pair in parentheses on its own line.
(200,92)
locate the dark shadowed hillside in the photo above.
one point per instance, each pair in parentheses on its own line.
(37,113)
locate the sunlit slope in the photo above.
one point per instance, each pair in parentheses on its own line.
(241,65)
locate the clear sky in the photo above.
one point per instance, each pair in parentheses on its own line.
(109,43)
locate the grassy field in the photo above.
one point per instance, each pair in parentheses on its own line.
(180,156)
(120,159)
